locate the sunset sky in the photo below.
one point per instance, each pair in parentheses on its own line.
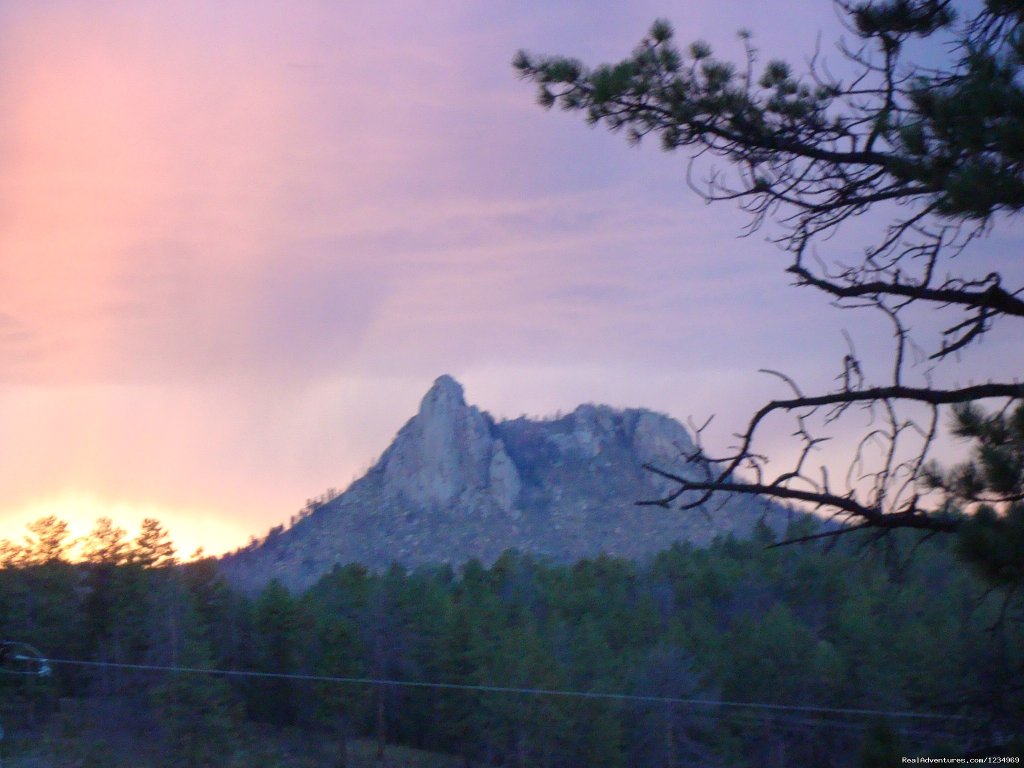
(239,240)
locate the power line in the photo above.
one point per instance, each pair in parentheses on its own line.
(510,689)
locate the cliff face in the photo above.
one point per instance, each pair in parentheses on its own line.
(448,455)
(455,485)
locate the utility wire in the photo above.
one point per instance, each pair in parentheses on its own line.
(509,689)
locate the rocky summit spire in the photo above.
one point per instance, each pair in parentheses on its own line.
(444,454)
(445,392)
(440,408)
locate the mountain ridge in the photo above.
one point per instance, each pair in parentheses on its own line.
(455,484)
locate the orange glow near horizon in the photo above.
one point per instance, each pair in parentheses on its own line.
(189,529)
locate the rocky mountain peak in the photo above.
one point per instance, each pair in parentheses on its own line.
(456,484)
(445,394)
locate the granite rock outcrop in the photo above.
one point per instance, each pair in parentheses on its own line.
(455,484)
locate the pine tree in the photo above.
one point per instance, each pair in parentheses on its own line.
(153,547)
(197,713)
(104,551)
(49,542)
(277,626)
(992,483)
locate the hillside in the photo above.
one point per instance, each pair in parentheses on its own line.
(456,484)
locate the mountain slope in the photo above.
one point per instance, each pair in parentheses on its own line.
(455,484)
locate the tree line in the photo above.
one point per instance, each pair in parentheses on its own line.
(797,632)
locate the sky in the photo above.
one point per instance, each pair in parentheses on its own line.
(239,240)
